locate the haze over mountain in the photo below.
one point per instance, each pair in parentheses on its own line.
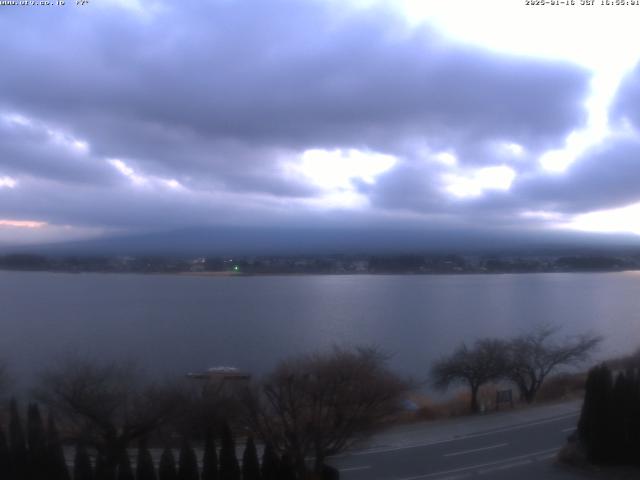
(318,126)
(322,241)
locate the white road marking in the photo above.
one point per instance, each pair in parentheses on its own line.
(548,456)
(456,477)
(571,429)
(464,452)
(482,465)
(353,469)
(374,451)
(506,466)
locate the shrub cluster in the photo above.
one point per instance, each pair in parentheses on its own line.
(609,426)
(36,453)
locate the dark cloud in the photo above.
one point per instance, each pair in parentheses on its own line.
(411,185)
(285,72)
(35,149)
(220,95)
(121,207)
(626,105)
(604,177)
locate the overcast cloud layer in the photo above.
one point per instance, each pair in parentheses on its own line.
(276,113)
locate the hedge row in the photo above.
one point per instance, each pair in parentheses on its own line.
(609,426)
(38,455)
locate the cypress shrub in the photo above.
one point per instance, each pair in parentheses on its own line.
(286,471)
(593,425)
(635,418)
(102,470)
(56,464)
(167,468)
(330,473)
(82,469)
(624,419)
(585,422)
(5,457)
(250,464)
(609,426)
(125,472)
(270,463)
(35,429)
(145,469)
(229,468)
(36,443)
(210,458)
(618,427)
(188,462)
(17,444)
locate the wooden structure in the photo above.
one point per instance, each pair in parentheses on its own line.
(504,396)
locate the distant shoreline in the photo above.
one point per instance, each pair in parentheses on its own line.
(226,274)
(337,264)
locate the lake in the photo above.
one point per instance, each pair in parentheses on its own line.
(175,324)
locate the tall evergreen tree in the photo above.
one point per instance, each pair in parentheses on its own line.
(17,444)
(631,407)
(35,428)
(635,417)
(330,473)
(188,462)
(286,470)
(270,463)
(56,462)
(167,468)
(5,457)
(125,472)
(210,458)
(593,425)
(250,464)
(36,443)
(82,469)
(145,469)
(618,433)
(103,471)
(624,419)
(229,468)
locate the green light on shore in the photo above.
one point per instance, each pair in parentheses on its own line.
(236,268)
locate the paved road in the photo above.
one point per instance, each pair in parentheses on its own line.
(517,445)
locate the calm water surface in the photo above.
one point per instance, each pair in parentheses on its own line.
(176,324)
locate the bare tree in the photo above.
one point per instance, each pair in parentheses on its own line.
(318,405)
(484,362)
(106,404)
(204,406)
(534,355)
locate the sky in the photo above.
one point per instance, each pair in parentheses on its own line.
(126,117)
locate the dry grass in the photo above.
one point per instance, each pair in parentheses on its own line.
(431,410)
(564,386)
(456,406)
(560,387)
